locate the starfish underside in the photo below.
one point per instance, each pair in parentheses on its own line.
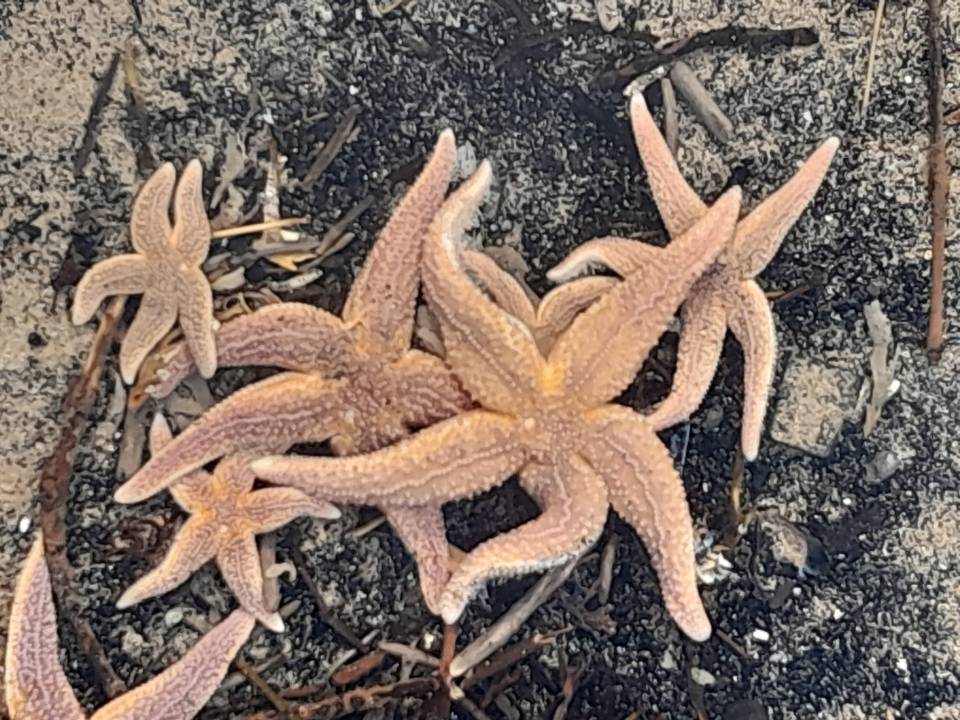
(36,688)
(352,380)
(546,417)
(727,296)
(165,269)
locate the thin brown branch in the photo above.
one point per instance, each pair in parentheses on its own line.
(330,149)
(871,58)
(281,705)
(939,182)
(100,96)
(55,487)
(256,227)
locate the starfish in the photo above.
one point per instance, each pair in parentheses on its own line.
(165,270)
(547,417)
(727,295)
(35,685)
(352,380)
(225,516)
(552,314)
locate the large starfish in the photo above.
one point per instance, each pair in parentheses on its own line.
(548,418)
(165,270)
(549,316)
(727,295)
(226,514)
(353,380)
(36,688)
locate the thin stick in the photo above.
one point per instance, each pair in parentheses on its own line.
(871,58)
(939,183)
(405,652)
(501,631)
(256,228)
(55,487)
(281,705)
(330,149)
(671,131)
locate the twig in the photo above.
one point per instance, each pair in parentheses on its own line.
(607,561)
(871,58)
(349,674)
(281,705)
(939,183)
(671,132)
(508,657)
(326,615)
(501,631)
(256,228)
(93,118)
(411,654)
(330,149)
(356,701)
(701,102)
(55,487)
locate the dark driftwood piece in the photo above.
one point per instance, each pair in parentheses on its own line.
(93,118)
(701,102)
(55,488)
(939,181)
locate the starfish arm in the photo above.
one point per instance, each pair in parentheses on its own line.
(760,233)
(290,336)
(501,285)
(493,353)
(150,219)
(422,532)
(271,508)
(35,686)
(239,563)
(425,390)
(454,459)
(383,297)
(621,255)
(704,324)
(193,546)
(678,204)
(181,690)
(272,414)
(191,227)
(189,492)
(751,321)
(562,304)
(598,356)
(120,275)
(574,504)
(647,492)
(155,317)
(196,319)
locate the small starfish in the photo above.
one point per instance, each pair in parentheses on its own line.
(548,418)
(36,688)
(165,270)
(225,516)
(552,314)
(353,381)
(727,295)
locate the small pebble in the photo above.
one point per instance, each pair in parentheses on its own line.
(902,665)
(702,677)
(667,662)
(132,643)
(173,617)
(761,635)
(24,525)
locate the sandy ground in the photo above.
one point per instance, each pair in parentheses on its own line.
(867,630)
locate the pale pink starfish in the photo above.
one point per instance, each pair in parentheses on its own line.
(36,688)
(165,270)
(727,295)
(226,514)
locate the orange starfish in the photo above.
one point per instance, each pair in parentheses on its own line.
(165,270)
(354,381)
(727,295)
(36,688)
(547,417)
(226,514)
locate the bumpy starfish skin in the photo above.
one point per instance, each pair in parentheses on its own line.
(547,418)
(165,270)
(36,688)
(353,380)
(225,516)
(727,295)
(552,314)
